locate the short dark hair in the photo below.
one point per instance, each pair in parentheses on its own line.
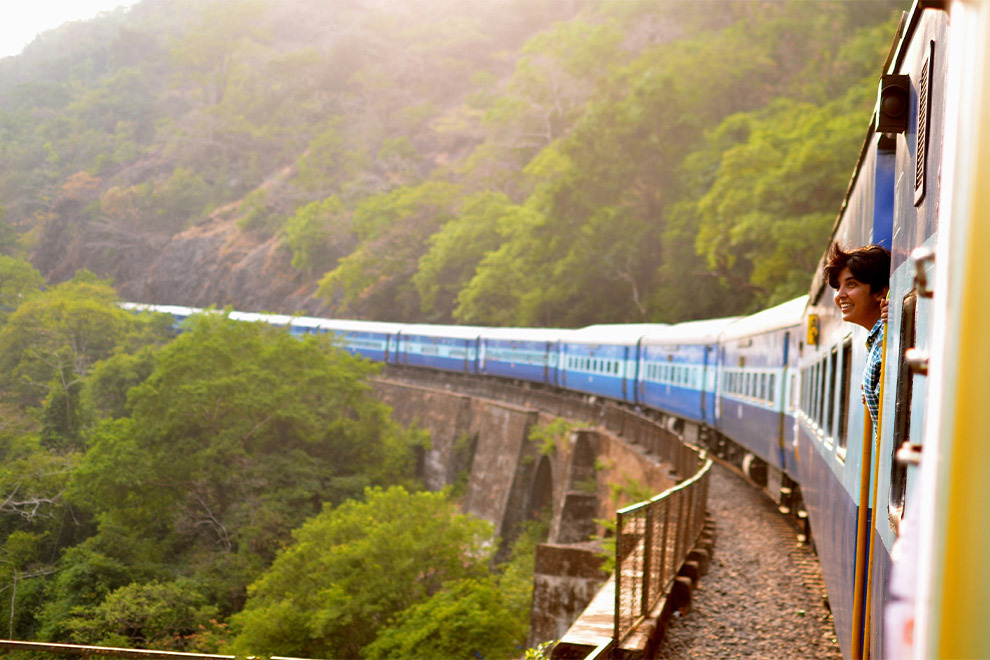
(870,264)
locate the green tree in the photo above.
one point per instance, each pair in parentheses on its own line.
(761,223)
(238,434)
(156,615)
(50,343)
(394,229)
(455,252)
(18,280)
(317,234)
(352,568)
(469,618)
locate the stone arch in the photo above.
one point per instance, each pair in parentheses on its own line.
(577,515)
(582,472)
(541,491)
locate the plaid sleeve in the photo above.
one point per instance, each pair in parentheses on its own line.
(871,376)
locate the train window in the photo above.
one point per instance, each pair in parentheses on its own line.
(809,388)
(902,408)
(843,431)
(812,413)
(770,392)
(822,393)
(790,392)
(830,399)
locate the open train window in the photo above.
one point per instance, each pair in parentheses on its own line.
(833,360)
(902,409)
(770,392)
(812,371)
(843,432)
(822,392)
(763,387)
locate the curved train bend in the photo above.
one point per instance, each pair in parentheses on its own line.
(780,389)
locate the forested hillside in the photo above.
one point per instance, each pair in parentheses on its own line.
(532,162)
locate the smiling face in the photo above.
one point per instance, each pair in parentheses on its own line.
(855,301)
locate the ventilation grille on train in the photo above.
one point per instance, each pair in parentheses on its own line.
(924,114)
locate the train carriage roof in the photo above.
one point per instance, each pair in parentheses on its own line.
(350,325)
(782,316)
(613,334)
(526,334)
(174,310)
(690,332)
(443,331)
(255,317)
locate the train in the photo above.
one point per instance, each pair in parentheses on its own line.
(898,513)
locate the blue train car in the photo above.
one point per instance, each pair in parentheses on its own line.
(678,369)
(758,381)
(375,340)
(852,484)
(445,347)
(602,360)
(277,320)
(177,312)
(531,354)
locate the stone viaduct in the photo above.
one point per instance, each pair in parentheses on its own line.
(496,439)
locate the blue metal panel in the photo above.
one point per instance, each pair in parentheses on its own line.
(833,522)
(883,203)
(526,360)
(754,427)
(371,345)
(680,401)
(445,353)
(595,369)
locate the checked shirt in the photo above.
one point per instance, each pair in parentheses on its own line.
(871,372)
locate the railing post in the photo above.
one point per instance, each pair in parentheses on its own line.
(617,614)
(663,544)
(647,552)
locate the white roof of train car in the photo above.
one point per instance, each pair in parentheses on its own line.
(614,334)
(690,332)
(350,325)
(451,331)
(782,316)
(525,334)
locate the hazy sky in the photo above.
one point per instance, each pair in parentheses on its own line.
(22,20)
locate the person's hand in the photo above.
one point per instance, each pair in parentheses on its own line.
(883,310)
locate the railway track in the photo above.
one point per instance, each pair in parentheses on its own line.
(764,594)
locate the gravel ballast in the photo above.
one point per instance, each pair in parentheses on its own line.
(763,594)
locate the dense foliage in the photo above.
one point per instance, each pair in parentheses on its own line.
(229,488)
(523,162)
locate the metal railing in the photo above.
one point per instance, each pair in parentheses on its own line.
(653,539)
